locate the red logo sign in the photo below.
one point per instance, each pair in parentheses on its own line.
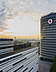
(50,21)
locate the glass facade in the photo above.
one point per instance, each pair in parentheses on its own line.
(48,36)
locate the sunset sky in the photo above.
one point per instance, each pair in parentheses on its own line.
(21,18)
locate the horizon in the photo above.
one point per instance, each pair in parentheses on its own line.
(20,37)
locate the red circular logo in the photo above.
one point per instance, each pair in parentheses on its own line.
(50,21)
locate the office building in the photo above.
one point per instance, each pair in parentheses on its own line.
(48,36)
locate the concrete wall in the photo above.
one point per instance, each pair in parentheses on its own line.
(44,66)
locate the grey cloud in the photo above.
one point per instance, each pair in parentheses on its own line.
(4,15)
(9,11)
(2,18)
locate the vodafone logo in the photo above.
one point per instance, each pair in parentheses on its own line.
(50,21)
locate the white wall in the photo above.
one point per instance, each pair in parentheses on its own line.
(25,61)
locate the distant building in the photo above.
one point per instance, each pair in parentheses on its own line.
(32,41)
(6,46)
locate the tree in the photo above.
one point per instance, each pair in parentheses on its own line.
(53,69)
(38,44)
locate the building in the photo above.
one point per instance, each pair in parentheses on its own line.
(25,61)
(6,46)
(48,36)
(32,41)
(13,61)
(48,42)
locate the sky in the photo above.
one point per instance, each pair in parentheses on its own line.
(21,18)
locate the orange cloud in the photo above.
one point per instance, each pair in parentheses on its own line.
(19,37)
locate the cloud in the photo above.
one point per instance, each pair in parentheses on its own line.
(11,1)
(5,13)
(30,0)
(3,17)
(23,3)
(14,1)
(17,0)
(27,0)
(18,7)
(32,3)
(42,1)
(21,7)
(7,33)
(54,0)
(28,6)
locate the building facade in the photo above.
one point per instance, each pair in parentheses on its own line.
(48,36)
(6,46)
(25,61)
